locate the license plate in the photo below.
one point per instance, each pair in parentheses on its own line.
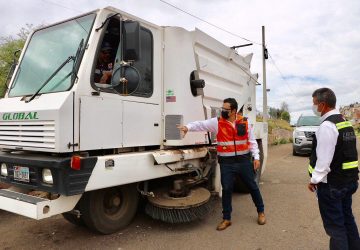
(21,174)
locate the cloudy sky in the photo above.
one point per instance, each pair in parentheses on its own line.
(312,43)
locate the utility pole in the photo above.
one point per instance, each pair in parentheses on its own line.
(264,57)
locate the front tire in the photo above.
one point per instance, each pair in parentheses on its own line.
(295,153)
(108,210)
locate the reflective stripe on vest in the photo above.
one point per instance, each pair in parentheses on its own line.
(243,152)
(342,125)
(230,143)
(345,165)
(311,169)
(350,165)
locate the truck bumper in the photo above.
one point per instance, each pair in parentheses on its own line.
(35,207)
(66,181)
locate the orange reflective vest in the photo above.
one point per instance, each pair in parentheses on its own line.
(232,141)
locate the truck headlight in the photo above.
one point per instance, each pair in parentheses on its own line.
(299,134)
(47,176)
(4,171)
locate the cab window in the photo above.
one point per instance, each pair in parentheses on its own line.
(105,58)
(109,54)
(145,64)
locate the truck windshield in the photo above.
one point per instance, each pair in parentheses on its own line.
(47,49)
(308,121)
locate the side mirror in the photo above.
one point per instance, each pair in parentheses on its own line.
(131,41)
(196,85)
(125,80)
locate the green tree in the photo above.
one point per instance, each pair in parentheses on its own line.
(8,45)
(285,116)
(284,107)
(273,112)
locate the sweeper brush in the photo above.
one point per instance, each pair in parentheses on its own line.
(193,206)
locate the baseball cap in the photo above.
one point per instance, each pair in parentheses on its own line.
(106,46)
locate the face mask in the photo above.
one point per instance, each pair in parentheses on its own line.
(315,110)
(225,114)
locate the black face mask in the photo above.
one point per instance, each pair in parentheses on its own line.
(225,114)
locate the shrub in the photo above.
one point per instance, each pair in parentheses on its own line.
(285,116)
(276,142)
(283,141)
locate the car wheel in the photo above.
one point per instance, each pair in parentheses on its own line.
(294,152)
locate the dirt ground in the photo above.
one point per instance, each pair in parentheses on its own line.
(292,212)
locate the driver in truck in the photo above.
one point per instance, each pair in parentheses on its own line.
(235,145)
(104,66)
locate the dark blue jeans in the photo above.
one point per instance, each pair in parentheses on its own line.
(336,213)
(245,170)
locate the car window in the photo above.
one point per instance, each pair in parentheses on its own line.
(308,121)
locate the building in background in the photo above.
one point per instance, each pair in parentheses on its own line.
(351,112)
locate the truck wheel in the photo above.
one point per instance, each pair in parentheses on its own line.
(73,219)
(108,210)
(239,185)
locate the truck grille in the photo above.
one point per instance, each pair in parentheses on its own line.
(38,134)
(309,134)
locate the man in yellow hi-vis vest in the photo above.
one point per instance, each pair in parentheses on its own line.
(334,172)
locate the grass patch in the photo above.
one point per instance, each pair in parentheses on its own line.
(281,141)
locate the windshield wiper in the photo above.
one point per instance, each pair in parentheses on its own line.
(76,60)
(71,58)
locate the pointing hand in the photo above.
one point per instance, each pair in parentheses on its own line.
(182,129)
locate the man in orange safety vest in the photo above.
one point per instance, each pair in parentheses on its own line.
(235,146)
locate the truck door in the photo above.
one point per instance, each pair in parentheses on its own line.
(121,115)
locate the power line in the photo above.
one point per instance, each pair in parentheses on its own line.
(60,5)
(233,34)
(284,79)
(186,12)
(203,20)
(281,74)
(211,24)
(249,75)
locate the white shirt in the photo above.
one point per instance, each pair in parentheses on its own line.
(211,125)
(326,137)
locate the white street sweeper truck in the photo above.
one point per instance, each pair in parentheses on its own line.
(88,149)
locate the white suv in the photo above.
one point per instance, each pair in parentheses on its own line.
(306,127)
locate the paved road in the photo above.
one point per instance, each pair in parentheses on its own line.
(293,221)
